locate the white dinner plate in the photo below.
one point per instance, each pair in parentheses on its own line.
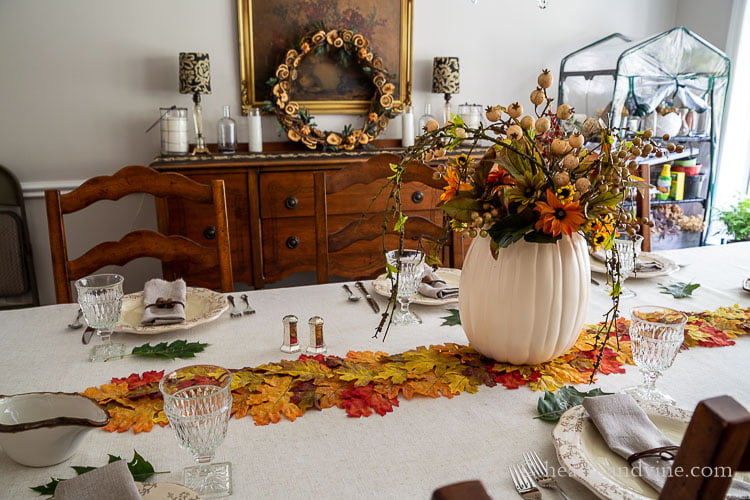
(668,266)
(586,457)
(166,491)
(203,305)
(451,277)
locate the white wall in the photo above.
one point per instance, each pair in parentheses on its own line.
(82,79)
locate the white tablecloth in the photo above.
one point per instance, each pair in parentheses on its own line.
(423,444)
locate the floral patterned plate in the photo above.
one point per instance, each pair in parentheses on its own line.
(166,491)
(586,457)
(451,277)
(202,306)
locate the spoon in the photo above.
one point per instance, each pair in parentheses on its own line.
(352,297)
(77,323)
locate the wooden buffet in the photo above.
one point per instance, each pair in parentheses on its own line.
(271,208)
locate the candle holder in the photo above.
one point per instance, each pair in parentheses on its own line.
(291,339)
(316,345)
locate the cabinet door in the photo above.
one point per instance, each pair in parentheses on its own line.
(195,221)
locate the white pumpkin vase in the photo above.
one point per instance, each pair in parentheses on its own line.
(528,305)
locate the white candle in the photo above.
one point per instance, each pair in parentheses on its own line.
(174,132)
(407,127)
(255,133)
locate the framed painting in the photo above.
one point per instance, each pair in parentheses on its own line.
(267,30)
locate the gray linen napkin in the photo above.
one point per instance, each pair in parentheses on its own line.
(627,429)
(156,289)
(111,482)
(434,287)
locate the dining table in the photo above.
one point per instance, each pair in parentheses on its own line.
(423,444)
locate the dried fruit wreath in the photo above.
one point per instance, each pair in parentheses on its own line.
(345,45)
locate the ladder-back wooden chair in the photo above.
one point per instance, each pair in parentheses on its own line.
(174,251)
(717,438)
(350,209)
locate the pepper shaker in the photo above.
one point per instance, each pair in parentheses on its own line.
(291,340)
(316,345)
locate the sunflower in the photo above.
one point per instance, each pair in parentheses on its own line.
(527,190)
(461,161)
(565,193)
(454,185)
(556,216)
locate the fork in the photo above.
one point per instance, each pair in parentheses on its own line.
(538,469)
(248,309)
(235,313)
(522,482)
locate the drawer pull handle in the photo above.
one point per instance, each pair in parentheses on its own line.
(209,233)
(292,242)
(291,203)
(417,197)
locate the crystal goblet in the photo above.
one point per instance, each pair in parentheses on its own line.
(409,272)
(100,299)
(628,249)
(198,402)
(656,335)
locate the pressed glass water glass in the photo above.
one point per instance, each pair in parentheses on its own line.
(656,335)
(100,299)
(628,249)
(198,402)
(408,264)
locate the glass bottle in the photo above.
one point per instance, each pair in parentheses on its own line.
(427,116)
(227,134)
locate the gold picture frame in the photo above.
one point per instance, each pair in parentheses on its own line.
(268,29)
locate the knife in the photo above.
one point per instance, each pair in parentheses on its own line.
(370,300)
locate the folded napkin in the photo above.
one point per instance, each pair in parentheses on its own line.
(627,430)
(111,482)
(164,302)
(434,287)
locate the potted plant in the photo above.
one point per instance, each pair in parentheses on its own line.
(532,203)
(737,220)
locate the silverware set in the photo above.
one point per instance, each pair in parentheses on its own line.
(236,313)
(355,298)
(531,473)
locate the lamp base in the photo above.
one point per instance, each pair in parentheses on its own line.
(200,147)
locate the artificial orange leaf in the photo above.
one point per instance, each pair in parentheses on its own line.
(429,385)
(245,378)
(272,400)
(330,392)
(368,357)
(117,391)
(361,401)
(141,416)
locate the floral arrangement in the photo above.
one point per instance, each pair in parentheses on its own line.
(537,181)
(345,46)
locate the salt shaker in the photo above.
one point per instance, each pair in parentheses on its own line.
(316,344)
(291,341)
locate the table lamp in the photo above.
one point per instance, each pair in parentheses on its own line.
(445,80)
(195,78)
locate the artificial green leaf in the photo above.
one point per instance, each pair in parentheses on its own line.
(509,229)
(537,237)
(461,208)
(81,470)
(680,289)
(553,404)
(178,349)
(399,225)
(49,488)
(452,319)
(140,468)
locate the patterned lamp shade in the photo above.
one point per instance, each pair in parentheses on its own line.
(195,73)
(445,75)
